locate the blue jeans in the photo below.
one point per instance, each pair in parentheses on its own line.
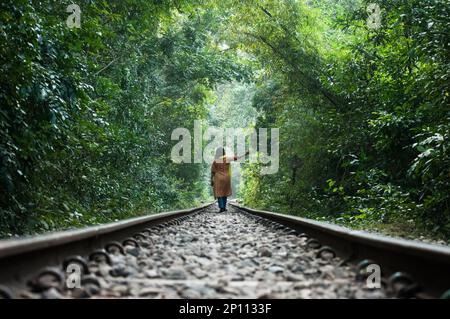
(222,202)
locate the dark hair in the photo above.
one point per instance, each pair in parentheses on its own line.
(220,151)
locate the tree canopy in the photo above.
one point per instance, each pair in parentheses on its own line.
(87,113)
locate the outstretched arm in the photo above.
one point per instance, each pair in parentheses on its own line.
(238,157)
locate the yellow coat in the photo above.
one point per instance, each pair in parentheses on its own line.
(222,176)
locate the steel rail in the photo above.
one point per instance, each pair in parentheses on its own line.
(428,265)
(20,258)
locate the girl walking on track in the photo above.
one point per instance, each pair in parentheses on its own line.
(221,176)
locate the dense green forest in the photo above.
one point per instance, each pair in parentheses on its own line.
(361,98)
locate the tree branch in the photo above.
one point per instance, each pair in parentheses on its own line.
(313,83)
(107,66)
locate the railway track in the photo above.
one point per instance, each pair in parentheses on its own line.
(198,253)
